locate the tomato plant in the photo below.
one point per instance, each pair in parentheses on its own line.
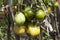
(27,15)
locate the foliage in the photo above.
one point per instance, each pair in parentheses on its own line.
(19,6)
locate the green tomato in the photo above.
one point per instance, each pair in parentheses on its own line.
(28,13)
(49,9)
(27,9)
(19,18)
(40,14)
(56,4)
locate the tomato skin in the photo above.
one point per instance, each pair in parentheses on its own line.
(19,30)
(19,18)
(33,30)
(40,14)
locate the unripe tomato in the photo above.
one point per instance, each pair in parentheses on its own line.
(28,13)
(56,4)
(49,9)
(33,30)
(27,9)
(19,18)
(40,14)
(19,30)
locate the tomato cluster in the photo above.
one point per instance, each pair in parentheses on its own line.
(26,16)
